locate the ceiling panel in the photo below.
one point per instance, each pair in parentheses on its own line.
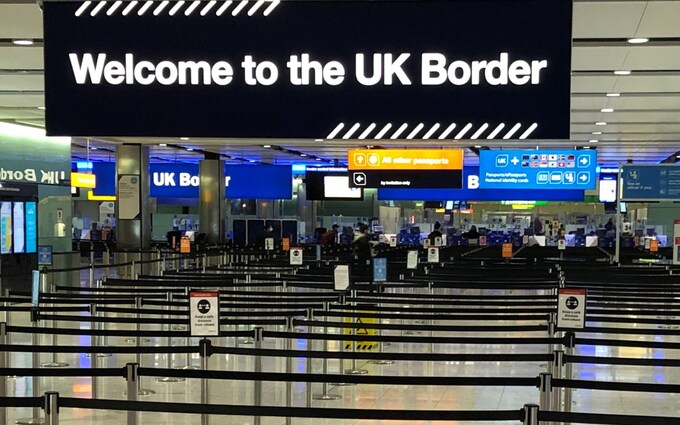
(607,19)
(20,21)
(13,57)
(598,58)
(21,82)
(660,19)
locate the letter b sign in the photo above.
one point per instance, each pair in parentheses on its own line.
(473,182)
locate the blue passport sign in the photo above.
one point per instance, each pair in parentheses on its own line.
(650,182)
(558,169)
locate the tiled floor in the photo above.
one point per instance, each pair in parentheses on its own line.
(361,396)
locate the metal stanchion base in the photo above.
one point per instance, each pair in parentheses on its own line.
(169,380)
(54,364)
(179,327)
(100,355)
(189,367)
(356,371)
(32,421)
(142,391)
(134,340)
(327,397)
(344,384)
(247,341)
(382,362)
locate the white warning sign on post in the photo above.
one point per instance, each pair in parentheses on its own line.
(269,244)
(393,241)
(412,260)
(204,311)
(341,277)
(561,244)
(433,255)
(571,308)
(296,256)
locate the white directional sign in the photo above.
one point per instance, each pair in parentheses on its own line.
(561,244)
(269,244)
(433,255)
(393,241)
(412,260)
(341,277)
(571,308)
(296,256)
(204,311)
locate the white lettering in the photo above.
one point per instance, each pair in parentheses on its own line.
(171,78)
(114,73)
(519,73)
(195,68)
(393,68)
(433,63)
(248,66)
(473,182)
(453,75)
(361,72)
(266,73)
(222,73)
(142,78)
(86,67)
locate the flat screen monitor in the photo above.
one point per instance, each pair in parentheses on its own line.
(5,227)
(608,189)
(330,186)
(449,205)
(337,187)
(31,228)
(18,228)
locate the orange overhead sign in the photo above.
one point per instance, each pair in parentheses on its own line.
(507,250)
(405,159)
(185,245)
(654,246)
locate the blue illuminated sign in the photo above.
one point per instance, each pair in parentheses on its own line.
(31,227)
(181,181)
(651,182)
(548,170)
(472,192)
(379,269)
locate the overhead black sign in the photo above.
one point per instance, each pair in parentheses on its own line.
(423,69)
(401,179)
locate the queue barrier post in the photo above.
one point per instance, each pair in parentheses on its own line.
(258,336)
(139,303)
(545,388)
(310,329)
(55,336)
(289,368)
(530,414)
(106,261)
(36,418)
(91,269)
(324,395)
(570,342)
(205,349)
(132,378)
(51,407)
(3,364)
(558,362)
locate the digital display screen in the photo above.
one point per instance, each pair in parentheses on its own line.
(5,227)
(19,246)
(338,187)
(608,190)
(31,227)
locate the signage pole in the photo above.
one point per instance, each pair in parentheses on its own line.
(617,242)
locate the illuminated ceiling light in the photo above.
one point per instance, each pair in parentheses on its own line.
(303,154)
(478,146)
(638,40)
(42,108)
(22,42)
(190,149)
(266,146)
(607,110)
(593,141)
(318,140)
(93,148)
(252,161)
(183,138)
(319,159)
(600,123)
(613,94)
(597,133)
(162,145)
(622,72)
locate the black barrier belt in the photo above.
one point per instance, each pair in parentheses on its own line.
(622,361)
(21,401)
(146,292)
(185,312)
(604,319)
(628,343)
(58,296)
(299,412)
(355,379)
(15,299)
(449,328)
(461,296)
(461,302)
(635,312)
(624,331)
(617,386)
(282,303)
(129,320)
(605,419)
(635,307)
(443,310)
(415,339)
(386,356)
(42,308)
(643,295)
(76,300)
(407,316)
(114,332)
(64,372)
(107,349)
(631,299)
